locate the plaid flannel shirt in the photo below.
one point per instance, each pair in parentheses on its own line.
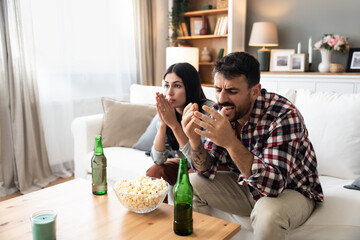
(284,157)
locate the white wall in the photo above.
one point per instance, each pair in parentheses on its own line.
(297,20)
(161,42)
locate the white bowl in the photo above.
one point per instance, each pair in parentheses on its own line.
(142,203)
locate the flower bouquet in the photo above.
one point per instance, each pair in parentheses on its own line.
(332,42)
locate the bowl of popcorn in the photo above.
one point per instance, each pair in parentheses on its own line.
(142,194)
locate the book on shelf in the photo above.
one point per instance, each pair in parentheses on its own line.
(220,54)
(180,31)
(224,26)
(184,29)
(220,21)
(216,26)
(221,26)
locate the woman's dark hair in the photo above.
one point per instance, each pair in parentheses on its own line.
(193,90)
(239,63)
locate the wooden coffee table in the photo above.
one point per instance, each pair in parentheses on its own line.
(82,215)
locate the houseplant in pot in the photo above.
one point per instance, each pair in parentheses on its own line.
(179,7)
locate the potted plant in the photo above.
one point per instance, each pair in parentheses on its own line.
(179,7)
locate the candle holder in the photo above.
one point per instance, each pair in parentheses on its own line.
(309,68)
(43,224)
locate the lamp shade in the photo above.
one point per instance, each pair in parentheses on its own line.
(264,34)
(182,54)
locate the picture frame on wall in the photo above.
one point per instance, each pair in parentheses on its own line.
(297,62)
(280,59)
(353,61)
(195,25)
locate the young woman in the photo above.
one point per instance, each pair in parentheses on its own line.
(182,86)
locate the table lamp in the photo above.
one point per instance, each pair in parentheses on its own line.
(182,54)
(264,34)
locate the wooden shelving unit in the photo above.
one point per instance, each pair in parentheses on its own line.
(312,73)
(205,12)
(234,40)
(206,63)
(207,85)
(202,37)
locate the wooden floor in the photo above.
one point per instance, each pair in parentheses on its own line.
(57,181)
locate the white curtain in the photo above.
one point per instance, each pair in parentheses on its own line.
(24,162)
(144,40)
(84,51)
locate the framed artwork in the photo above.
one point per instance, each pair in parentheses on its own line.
(221,4)
(353,61)
(195,25)
(297,62)
(280,59)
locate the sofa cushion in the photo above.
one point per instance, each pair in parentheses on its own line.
(332,219)
(124,123)
(332,120)
(142,94)
(146,140)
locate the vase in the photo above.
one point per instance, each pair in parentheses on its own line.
(205,55)
(204,30)
(326,56)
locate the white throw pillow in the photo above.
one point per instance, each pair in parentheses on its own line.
(333,122)
(288,93)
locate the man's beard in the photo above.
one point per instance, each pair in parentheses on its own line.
(240,111)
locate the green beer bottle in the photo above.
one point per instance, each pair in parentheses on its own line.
(183,196)
(98,167)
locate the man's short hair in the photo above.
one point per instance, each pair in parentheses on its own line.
(239,63)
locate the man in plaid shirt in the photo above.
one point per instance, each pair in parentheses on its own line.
(262,138)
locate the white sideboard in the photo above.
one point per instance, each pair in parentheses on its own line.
(319,82)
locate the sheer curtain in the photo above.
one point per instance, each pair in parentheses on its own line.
(84,51)
(24,163)
(144,40)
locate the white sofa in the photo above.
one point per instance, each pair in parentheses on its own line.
(333,122)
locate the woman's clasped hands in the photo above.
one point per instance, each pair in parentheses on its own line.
(165,110)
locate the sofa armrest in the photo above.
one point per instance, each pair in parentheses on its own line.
(84,130)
